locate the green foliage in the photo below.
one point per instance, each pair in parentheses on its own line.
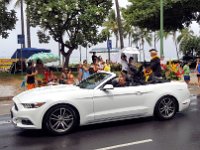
(177,13)
(111,26)
(77,19)
(8,19)
(43,38)
(190,45)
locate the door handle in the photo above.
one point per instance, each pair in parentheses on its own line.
(138,93)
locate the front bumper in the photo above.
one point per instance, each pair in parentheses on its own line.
(26,118)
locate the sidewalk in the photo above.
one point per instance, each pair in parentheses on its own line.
(9,91)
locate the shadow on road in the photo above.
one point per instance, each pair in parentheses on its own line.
(100,127)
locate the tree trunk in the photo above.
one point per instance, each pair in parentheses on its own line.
(22,21)
(143,49)
(129,40)
(155,40)
(66,63)
(117,40)
(176,45)
(119,21)
(66,55)
(28,32)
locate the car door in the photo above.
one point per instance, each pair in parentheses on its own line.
(121,102)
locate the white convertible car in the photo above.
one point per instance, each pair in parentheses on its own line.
(59,109)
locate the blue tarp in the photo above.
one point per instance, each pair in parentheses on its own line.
(27,52)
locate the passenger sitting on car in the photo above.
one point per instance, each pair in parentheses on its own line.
(121,80)
(148,73)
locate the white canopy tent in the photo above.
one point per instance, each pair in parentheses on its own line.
(131,52)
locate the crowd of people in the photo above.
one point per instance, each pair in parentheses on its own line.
(39,75)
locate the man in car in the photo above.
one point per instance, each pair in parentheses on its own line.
(155,63)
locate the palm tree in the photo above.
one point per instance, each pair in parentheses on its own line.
(128,32)
(111,25)
(186,34)
(143,36)
(119,21)
(176,43)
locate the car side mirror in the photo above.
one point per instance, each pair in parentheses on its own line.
(108,87)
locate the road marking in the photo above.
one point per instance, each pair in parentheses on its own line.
(126,144)
(5,122)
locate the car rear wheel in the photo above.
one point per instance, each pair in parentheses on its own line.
(166,108)
(60,119)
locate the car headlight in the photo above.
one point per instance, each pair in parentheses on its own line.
(33,105)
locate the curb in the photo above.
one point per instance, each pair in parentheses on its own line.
(6,98)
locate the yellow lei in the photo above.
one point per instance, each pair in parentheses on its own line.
(147,74)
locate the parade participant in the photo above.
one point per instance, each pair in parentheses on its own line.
(148,73)
(132,70)
(30,76)
(155,63)
(122,80)
(124,63)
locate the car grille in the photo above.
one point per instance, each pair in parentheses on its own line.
(16,108)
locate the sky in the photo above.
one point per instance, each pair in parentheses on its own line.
(9,45)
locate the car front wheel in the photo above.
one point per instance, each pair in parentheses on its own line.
(166,108)
(60,119)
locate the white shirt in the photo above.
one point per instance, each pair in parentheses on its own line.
(124,65)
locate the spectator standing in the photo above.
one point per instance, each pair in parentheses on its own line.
(63,77)
(96,66)
(70,77)
(186,70)
(94,57)
(107,67)
(40,77)
(86,73)
(155,63)
(30,76)
(124,63)
(198,71)
(80,72)
(101,63)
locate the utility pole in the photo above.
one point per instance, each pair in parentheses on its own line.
(119,21)
(22,21)
(161,28)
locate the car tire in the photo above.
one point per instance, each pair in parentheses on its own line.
(166,108)
(60,119)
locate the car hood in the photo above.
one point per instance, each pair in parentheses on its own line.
(49,93)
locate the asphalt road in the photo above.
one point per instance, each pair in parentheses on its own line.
(181,133)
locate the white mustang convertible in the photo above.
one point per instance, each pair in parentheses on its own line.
(59,109)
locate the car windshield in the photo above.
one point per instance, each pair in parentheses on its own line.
(94,80)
